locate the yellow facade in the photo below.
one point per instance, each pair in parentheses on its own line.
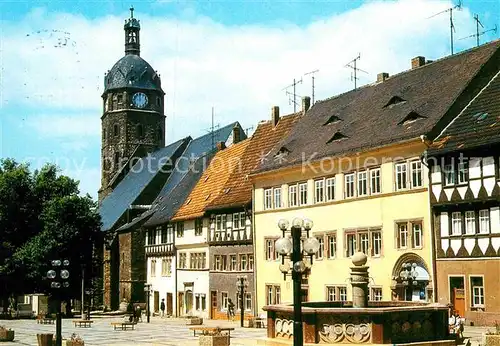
(382,211)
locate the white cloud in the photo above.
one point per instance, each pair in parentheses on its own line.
(240,70)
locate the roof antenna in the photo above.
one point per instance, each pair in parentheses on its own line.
(292,97)
(478,34)
(452,25)
(355,69)
(248,129)
(212,128)
(312,76)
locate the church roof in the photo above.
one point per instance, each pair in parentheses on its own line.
(402,107)
(211,183)
(171,197)
(114,205)
(132,71)
(476,126)
(238,189)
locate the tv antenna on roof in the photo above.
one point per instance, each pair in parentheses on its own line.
(354,74)
(312,76)
(212,128)
(248,129)
(292,97)
(478,34)
(452,25)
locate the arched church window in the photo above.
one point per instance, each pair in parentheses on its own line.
(106,106)
(140,131)
(115,102)
(116,130)
(132,37)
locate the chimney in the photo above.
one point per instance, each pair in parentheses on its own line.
(236,134)
(306,104)
(275,115)
(417,62)
(221,146)
(382,77)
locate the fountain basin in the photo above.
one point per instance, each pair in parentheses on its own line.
(378,323)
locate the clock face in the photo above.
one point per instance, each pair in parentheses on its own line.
(140,100)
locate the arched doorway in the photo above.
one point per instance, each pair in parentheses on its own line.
(189,302)
(411,279)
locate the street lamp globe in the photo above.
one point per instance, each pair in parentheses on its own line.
(297,222)
(51,274)
(66,263)
(64,274)
(299,266)
(308,224)
(66,284)
(283,246)
(283,224)
(311,245)
(56,263)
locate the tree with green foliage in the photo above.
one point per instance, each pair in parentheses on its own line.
(43,217)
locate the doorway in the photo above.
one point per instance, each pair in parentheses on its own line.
(457,293)
(170,308)
(180,303)
(189,302)
(156,304)
(213,304)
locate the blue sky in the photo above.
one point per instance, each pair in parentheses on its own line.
(234,55)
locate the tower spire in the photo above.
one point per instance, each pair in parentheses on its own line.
(132,28)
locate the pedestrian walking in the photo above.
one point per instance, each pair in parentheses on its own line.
(162,307)
(230,310)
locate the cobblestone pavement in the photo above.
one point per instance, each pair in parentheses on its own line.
(160,331)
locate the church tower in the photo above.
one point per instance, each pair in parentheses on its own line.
(133,120)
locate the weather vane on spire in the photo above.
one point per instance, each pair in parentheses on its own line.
(131,11)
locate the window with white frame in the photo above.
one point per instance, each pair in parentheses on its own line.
(484,221)
(321,249)
(375,180)
(456,223)
(165,267)
(362,183)
(270,250)
(402,236)
(153,268)
(319,191)
(463,171)
(248,301)
(303,194)
(449,174)
(364,242)
(218,222)
(292,196)
(236,221)
(243,262)
(183,260)
(401,176)
(198,227)
(203,302)
(277,197)
(224,300)
(268,199)
(351,244)
(250,262)
(217,263)
(416,174)
(416,235)
(273,294)
(349,185)
(376,243)
(233,263)
(332,245)
(470,222)
(343,293)
(336,293)
(180,229)
(376,294)
(477,289)
(330,189)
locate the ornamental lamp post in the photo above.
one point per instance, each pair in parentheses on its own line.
(408,275)
(147,289)
(242,284)
(58,278)
(296,249)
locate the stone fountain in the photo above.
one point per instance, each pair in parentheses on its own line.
(361,321)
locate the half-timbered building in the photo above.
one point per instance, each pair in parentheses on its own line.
(465,200)
(230,233)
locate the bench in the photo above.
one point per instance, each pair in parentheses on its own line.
(83,323)
(210,330)
(46,320)
(123,325)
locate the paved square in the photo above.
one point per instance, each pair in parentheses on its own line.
(160,331)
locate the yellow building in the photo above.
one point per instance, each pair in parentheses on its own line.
(353,165)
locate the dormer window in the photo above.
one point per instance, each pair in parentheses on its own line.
(332,119)
(395,100)
(337,137)
(480,116)
(411,118)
